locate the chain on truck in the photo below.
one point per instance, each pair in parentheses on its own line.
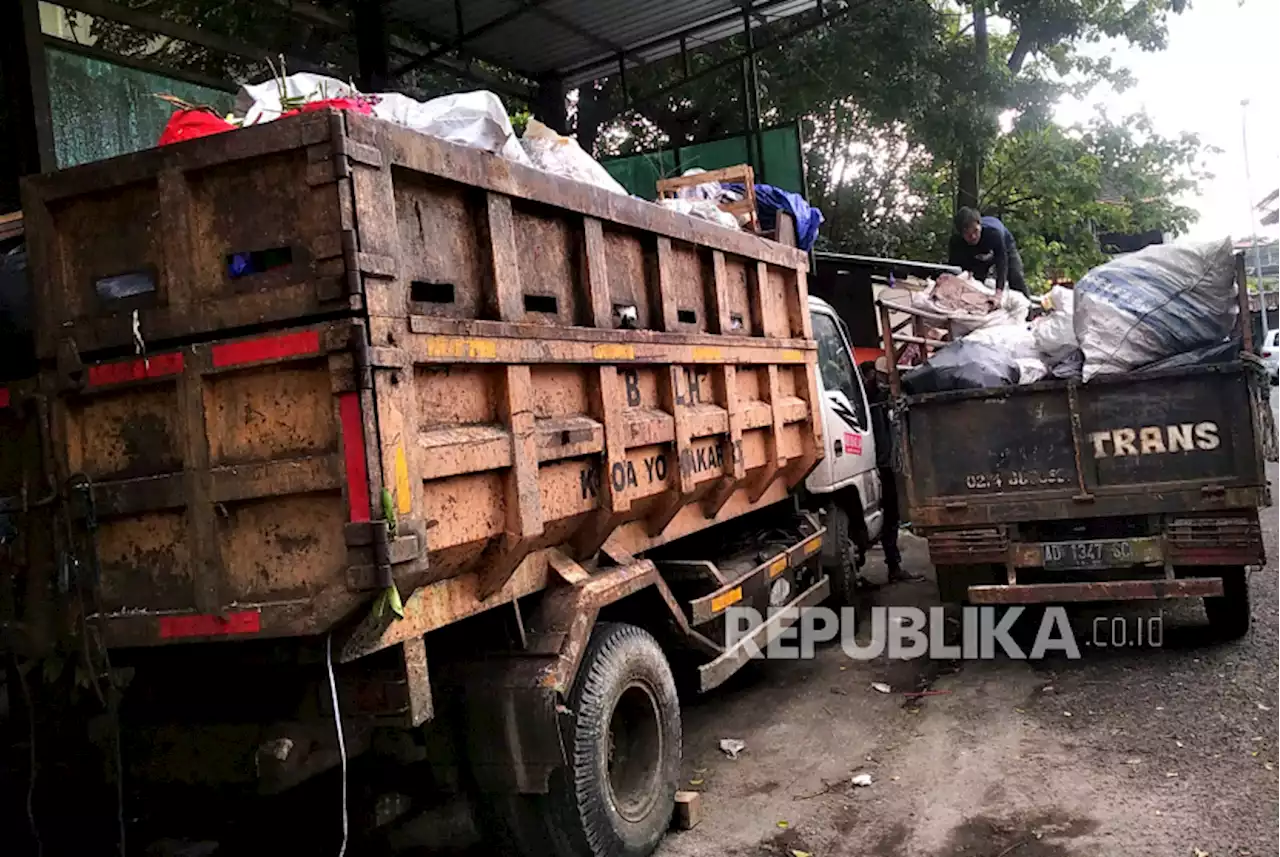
(361,476)
(1144,485)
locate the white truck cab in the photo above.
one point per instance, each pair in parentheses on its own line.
(846,483)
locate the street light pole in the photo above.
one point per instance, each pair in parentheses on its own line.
(1253,217)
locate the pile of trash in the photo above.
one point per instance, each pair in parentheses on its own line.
(475,119)
(1162,307)
(479,120)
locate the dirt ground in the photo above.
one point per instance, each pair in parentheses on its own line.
(1131,751)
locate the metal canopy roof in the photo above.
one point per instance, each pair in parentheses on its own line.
(575,41)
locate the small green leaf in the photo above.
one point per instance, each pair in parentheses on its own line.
(389,511)
(394,602)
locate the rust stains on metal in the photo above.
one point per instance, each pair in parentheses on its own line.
(1102,590)
(537,365)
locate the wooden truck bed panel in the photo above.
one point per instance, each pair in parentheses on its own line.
(328,213)
(244,476)
(515,362)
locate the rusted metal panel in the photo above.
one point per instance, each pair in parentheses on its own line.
(1171,441)
(1215,540)
(528,364)
(30,614)
(327,212)
(1101,590)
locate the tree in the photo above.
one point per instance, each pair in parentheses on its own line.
(1057,188)
(1041,41)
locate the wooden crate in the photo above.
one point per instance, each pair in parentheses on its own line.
(744,209)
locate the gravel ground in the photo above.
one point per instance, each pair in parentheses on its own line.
(1138,750)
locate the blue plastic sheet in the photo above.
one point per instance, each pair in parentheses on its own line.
(770,199)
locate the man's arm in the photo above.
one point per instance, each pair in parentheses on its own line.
(1001,265)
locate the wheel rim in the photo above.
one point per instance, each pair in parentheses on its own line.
(635,752)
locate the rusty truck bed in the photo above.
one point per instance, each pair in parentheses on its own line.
(1147,443)
(426,375)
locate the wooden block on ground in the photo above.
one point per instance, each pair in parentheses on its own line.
(688,810)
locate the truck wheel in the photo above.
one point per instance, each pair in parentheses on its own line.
(840,557)
(1229,613)
(616,796)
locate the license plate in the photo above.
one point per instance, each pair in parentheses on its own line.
(1098,553)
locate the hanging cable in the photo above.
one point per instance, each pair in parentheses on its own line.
(342,744)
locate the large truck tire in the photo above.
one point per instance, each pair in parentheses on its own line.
(1229,613)
(615,796)
(841,555)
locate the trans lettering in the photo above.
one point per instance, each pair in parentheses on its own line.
(1155,440)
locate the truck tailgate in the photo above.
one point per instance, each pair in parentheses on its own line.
(1178,440)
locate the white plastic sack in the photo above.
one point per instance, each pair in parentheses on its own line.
(1163,300)
(1016,340)
(1031,369)
(562,156)
(706,190)
(477,119)
(1055,332)
(701,208)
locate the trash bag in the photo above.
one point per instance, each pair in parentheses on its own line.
(1054,332)
(1031,369)
(770,199)
(477,119)
(1015,339)
(1069,368)
(562,156)
(1163,300)
(963,365)
(704,209)
(192,124)
(1222,352)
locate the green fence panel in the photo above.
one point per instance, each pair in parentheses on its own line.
(780,149)
(101,109)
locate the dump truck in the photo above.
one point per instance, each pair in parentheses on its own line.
(1143,485)
(356,453)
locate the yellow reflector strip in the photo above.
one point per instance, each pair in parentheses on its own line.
(613,351)
(705,352)
(462,349)
(779,565)
(813,546)
(733,596)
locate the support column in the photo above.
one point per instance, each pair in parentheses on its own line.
(369,22)
(549,107)
(27,145)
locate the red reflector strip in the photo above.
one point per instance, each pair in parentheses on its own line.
(353,456)
(266,348)
(135,370)
(200,625)
(4,397)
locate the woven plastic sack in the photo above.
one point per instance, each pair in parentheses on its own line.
(1164,300)
(1055,332)
(562,156)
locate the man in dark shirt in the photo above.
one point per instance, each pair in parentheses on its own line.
(875,378)
(984,247)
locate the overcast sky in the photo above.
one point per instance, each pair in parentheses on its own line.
(1219,53)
